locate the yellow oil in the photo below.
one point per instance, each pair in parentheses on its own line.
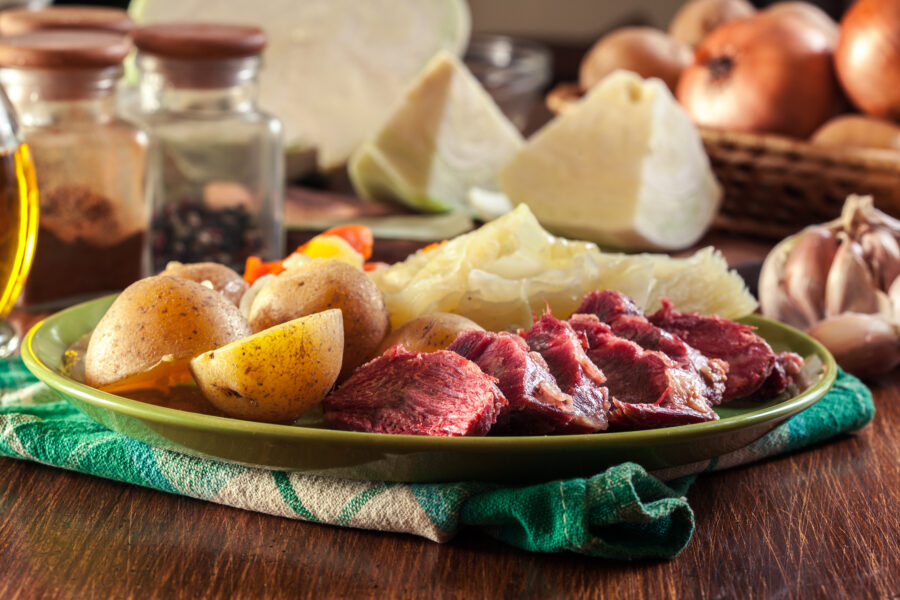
(18,223)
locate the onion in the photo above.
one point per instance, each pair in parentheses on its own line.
(697,18)
(643,50)
(811,14)
(868,57)
(762,74)
(858,131)
(562,97)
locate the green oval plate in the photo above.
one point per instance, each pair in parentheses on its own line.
(417,458)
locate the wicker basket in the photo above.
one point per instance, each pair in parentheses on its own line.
(775,186)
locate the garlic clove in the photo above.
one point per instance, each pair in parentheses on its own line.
(882,252)
(850,286)
(860,211)
(862,344)
(774,301)
(894,295)
(885,304)
(806,270)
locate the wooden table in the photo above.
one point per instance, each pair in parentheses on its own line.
(822,523)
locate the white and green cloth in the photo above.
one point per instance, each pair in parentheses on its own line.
(622,513)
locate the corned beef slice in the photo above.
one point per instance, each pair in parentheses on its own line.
(629,322)
(440,393)
(536,404)
(651,416)
(574,372)
(608,305)
(649,389)
(787,366)
(750,358)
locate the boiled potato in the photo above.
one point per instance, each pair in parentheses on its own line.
(428,333)
(224,280)
(154,328)
(275,375)
(321,284)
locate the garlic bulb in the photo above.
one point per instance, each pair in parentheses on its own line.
(840,281)
(862,344)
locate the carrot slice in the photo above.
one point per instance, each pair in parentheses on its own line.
(256,268)
(358,236)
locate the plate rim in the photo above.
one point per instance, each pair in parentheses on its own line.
(215,424)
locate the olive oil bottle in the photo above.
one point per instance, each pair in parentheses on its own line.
(18,219)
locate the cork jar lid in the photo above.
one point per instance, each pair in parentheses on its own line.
(199,41)
(22,20)
(63,49)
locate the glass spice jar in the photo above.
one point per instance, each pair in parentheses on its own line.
(215,174)
(89,164)
(17,21)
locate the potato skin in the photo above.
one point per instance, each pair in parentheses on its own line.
(225,280)
(321,284)
(155,317)
(428,333)
(276,375)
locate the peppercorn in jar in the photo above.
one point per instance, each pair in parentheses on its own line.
(215,163)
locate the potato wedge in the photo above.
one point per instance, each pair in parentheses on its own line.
(275,375)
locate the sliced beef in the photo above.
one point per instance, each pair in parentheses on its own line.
(652,416)
(649,389)
(627,320)
(404,392)
(750,358)
(574,372)
(536,404)
(787,366)
(608,305)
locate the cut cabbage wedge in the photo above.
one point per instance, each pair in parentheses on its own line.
(625,167)
(445,138)
(333,68)
(510,268)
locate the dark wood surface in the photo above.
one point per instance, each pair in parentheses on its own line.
(821,523)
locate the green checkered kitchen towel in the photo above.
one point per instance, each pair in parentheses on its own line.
(622,513)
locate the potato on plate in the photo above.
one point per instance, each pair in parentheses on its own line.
(224,280)
(321,284)
(275,375)
(154,328)
(428,333)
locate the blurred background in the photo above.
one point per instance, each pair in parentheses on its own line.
(568,27)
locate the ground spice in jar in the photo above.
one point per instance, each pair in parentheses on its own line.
(80,250)
(89,164)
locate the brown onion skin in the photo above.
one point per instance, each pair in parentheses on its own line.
(763,74)
(811,13)
(647,51)
(858,131)
(697,18)
(562,97)
(867,57)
